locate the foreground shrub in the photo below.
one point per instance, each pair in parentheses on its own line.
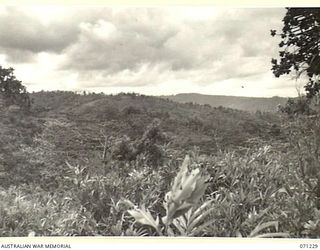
(186,217)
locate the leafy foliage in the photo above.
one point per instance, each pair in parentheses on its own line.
(299,46)
(12,92)
(298,106)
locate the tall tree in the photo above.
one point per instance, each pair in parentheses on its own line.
(11,89)
(300,47)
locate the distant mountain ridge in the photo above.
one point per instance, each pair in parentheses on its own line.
(251,104)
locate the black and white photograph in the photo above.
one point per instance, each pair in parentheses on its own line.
(159,121)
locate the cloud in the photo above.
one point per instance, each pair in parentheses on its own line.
(135,47)
(26,34)
(129,41)
(235,43)
(14,55)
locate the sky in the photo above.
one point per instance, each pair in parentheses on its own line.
(152,51)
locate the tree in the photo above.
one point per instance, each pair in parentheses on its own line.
(300,47)
(11,90)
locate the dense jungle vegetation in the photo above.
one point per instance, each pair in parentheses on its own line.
(129,165)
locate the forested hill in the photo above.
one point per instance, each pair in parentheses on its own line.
(186,125)
(251,104)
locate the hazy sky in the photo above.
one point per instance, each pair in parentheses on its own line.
(218,51)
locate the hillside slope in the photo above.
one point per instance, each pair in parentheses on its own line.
(187,125)
(251,104)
